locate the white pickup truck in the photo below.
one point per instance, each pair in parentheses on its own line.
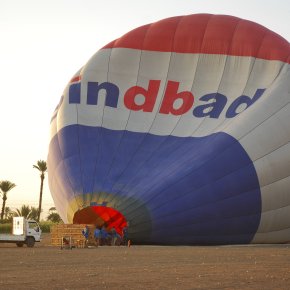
(24,232)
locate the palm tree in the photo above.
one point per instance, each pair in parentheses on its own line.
(53,216)
(5,186)
(42,167)
(33,213)
(27,212)
(23,211)
(8,213)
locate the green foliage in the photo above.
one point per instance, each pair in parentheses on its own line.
(8,215)
(27,211)
(23,211)
(45,226)
(54,217)
(5,186)
(33,213)
(41,166)
(6,228)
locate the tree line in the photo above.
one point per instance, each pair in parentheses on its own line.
(25,210)
(29,212)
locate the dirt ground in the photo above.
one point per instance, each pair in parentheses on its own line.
(145,267)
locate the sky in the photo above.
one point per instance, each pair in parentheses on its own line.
(43,43)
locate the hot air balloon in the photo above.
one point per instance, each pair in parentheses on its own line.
(179,130)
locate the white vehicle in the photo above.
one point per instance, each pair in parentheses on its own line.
(24,232)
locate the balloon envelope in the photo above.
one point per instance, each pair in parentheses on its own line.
(179,130)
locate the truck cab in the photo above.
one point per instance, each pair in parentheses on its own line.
(33,231)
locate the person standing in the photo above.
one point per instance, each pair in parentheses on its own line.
(103,235)
(114,236)
(125,235)
(97,236)
(86,233)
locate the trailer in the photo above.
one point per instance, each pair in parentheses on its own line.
(24,231)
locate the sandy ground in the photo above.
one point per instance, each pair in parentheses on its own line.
(145,267)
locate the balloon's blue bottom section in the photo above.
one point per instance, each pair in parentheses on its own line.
(194,190)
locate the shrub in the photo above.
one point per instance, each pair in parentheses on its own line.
(6,228)
(45,226)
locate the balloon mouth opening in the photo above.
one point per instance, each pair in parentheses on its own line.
(101,216)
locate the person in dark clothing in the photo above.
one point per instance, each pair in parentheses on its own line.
(125,236)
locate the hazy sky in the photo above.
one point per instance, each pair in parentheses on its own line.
(43,43)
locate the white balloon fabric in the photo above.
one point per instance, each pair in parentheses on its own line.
(179,130)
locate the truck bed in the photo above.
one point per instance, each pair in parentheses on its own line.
(11,238)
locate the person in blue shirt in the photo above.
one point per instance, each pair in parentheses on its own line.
(103,235)
(86,233)
(97,236)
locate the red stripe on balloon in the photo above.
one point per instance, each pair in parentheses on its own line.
(75,79)
(208,34)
